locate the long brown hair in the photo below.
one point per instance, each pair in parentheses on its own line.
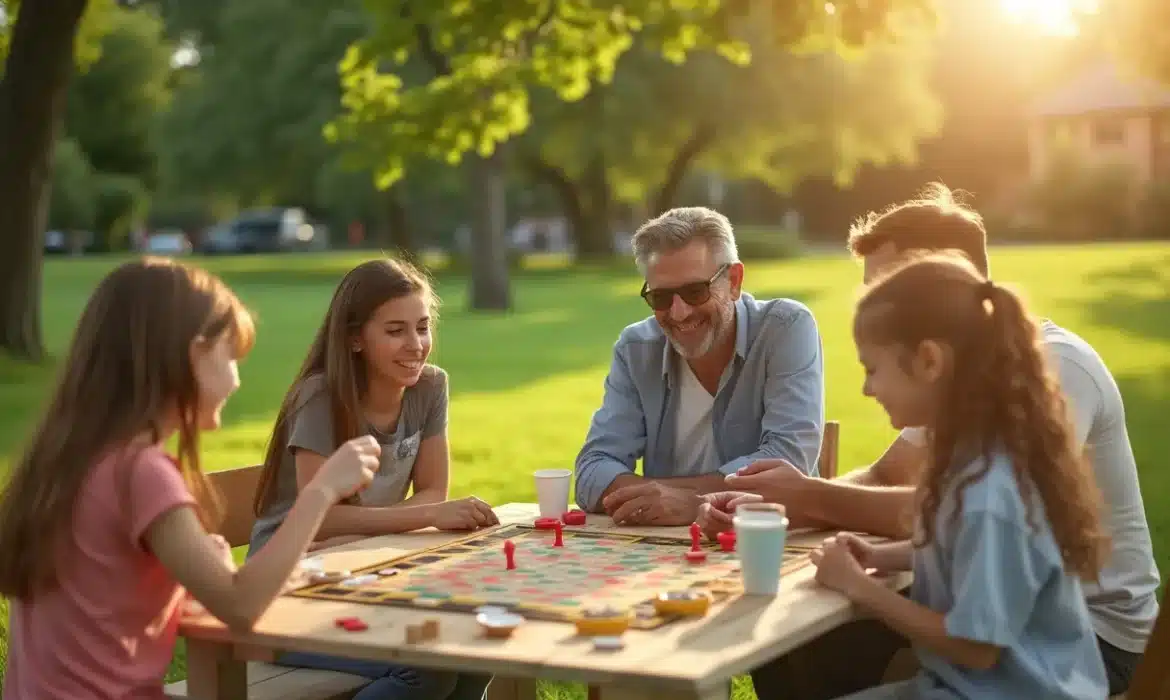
(358,295)
(999,393)
(128,369)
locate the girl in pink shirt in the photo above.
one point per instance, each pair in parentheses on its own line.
(101,531)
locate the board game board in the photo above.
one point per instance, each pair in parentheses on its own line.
(592,569)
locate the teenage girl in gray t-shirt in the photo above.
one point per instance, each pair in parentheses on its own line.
(1009,519)
(367,373)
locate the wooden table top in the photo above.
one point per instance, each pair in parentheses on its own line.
(734,637)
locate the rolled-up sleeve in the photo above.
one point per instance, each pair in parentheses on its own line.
(998,573)
(794,398)
(617,435)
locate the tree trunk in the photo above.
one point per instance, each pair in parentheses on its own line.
(490,289)
(398,224)
(595,237)
(32,101)
(700,140)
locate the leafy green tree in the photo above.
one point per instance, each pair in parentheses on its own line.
(73,204)
(784,117)
(488,57)
(44,40)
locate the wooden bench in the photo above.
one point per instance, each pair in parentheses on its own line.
(267,681)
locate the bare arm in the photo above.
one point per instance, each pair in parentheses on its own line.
(432,473)
(238,598)
(922,626)
(366,521)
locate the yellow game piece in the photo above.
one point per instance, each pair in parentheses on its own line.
(682,603)
(604,622)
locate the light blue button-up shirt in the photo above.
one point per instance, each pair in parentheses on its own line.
(770,401)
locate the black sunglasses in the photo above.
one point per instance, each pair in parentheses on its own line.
(694,293)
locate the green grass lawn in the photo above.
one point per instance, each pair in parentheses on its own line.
(524,384)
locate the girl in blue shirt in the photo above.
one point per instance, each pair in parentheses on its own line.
(1007,520)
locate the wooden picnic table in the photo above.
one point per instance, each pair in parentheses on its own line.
(693,659)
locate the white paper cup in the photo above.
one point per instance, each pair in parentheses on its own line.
(761,530)
(552,491)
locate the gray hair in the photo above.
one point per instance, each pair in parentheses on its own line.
(677,227)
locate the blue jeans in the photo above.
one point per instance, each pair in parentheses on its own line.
(395,682)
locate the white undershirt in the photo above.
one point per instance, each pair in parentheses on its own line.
(694,447)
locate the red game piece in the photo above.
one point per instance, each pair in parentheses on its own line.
(546,523)
(510,553)
(574,517)
(352,624)
(696,555)
(727,540)
(696,535)
(559,541)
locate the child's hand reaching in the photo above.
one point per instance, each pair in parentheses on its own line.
(837,565)
(717,509)
(350,469)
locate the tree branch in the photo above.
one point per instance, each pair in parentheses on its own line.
(700,140)
(438,62)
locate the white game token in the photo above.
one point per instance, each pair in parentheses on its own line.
(359,580)
(491,610)
(608,643)
(388,572)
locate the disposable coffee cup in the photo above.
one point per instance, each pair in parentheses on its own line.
(552,491)
(761,529)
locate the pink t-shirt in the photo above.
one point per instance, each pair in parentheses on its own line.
(108,631)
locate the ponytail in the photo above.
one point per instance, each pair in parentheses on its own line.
(1000,396)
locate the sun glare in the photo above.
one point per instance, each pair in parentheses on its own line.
(1048,16)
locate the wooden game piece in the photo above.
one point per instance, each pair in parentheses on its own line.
(546,523)
(686,602)
(328,576)
(696,555)
(603,622)
(498,624)
(608,643)
(726,540)
(510,553)
(430,629)
(574,517)
(351,624)
(696,537)
(560,539)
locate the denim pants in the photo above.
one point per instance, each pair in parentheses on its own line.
(395,682)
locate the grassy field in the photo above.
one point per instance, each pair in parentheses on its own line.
(524,384)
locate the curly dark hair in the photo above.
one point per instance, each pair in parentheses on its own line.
(1000,392)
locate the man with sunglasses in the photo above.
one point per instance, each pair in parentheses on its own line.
(712,382)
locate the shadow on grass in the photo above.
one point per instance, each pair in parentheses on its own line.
(1152,270)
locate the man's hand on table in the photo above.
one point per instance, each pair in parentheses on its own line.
(652,503)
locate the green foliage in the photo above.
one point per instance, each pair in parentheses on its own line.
(1077,200)
(250,122)
(486,59)
(112,107)
(73,205)
(121,203)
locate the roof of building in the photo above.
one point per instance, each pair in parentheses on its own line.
(1101,88)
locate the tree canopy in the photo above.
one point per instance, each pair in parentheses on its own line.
(487,58)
